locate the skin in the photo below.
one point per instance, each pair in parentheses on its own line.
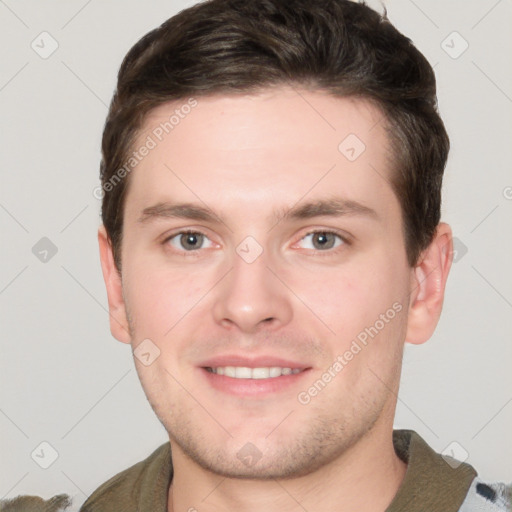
(243,157)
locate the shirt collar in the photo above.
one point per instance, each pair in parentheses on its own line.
(430,482)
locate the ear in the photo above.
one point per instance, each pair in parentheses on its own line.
(119,326)
(428,281)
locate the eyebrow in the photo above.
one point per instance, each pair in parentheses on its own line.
(332,207)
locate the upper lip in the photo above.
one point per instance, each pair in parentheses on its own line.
(252,362)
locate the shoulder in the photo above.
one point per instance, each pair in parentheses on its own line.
(438,481)
(125,489)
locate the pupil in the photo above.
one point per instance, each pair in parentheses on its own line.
(190,240)
(322,239)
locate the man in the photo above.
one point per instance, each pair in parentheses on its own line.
(271,238)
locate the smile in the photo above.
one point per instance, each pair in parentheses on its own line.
(244,372)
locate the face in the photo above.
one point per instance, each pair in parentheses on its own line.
(263,257)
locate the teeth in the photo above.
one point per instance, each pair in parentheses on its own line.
(230,371)
(275,371)
(260,373)
(243,372)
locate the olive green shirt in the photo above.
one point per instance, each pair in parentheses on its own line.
(430,483)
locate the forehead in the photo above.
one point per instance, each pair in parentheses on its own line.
(283,115)
(252,150)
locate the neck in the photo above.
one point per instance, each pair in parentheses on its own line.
(365,478)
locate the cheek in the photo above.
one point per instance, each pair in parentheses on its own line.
(355,297)
(159,298)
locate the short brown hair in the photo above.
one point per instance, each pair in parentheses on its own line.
(239,46)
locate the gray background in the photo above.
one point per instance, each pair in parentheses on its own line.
(65,381)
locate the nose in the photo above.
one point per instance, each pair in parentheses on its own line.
(251,297)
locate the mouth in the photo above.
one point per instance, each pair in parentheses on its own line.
(253,378)
(245,372)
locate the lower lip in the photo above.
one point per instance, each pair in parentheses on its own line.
(252,387)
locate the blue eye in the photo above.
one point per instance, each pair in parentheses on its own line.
(187,241)
(324,240)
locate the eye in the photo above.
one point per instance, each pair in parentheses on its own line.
(324,240)
(188,241)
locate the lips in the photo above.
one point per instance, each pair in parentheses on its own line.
(255,377)
(253,362)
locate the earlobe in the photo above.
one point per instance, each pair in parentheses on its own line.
(117,310)
(428,282)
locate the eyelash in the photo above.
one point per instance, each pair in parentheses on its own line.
(317,252)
